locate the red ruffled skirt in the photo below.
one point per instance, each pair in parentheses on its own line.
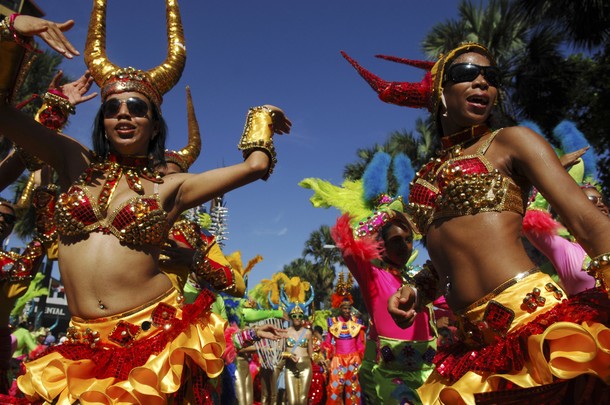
(525,343)
(159,353)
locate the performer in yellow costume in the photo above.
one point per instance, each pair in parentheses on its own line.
(132,339)
(521,340)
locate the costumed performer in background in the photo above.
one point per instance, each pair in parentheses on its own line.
(346,336)
(376,240)
(299,345)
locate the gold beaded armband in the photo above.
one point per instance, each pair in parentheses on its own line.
(258,135)
(599,268)
(426,283)
(8,33)
(54,111)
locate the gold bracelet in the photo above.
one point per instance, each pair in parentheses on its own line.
(258,135)
(53,99)
(599,268)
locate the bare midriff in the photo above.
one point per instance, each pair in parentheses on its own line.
(476,253)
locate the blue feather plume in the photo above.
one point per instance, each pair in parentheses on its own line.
(571,139)
(404,173)
(375,177)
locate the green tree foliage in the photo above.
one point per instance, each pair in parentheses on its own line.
(585,22)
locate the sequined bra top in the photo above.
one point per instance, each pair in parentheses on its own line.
(291,342)
(140,220)
(462,185)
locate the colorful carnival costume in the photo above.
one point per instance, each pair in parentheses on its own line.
(321,352)
(162,351)
(346,335)
(547,234)
(524,342)
(396,361)
(297,373)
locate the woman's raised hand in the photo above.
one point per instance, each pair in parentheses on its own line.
(49,31)
(76,91)
(281,124)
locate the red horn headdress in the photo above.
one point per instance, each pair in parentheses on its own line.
(406,94)
(425,94)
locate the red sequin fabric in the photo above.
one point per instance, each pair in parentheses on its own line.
(454,185)
(116,361)
(509,354)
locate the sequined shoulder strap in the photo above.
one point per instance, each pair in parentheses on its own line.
(488,142)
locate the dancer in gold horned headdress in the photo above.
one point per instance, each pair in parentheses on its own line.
(132,339)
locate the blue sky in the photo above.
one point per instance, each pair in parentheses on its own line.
(286,53)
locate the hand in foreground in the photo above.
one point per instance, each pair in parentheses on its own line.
(401,306)
(50,32)
(570,159)
(281,124)
(174,255)
(77,90)
(268,331)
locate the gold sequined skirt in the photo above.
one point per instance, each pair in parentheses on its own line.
(513,340)
(137,357)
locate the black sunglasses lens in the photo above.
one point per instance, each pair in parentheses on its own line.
(463,72)
(135,106)
(111,108)
(467,72)
(492,75)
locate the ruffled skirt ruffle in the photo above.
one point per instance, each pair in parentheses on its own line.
(142,357)
(511,352)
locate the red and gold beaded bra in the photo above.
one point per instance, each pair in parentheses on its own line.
(140,220)
(133,167)
(454,184)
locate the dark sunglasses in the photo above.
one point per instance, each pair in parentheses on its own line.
(596,199)
(8,218)
(297,316)
(136,107)
(467,72)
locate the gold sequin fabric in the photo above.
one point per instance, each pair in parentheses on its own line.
(458,185)
(140,220)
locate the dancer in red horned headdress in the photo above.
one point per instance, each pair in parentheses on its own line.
(521,339)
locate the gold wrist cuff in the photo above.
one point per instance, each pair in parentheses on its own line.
(599,268)
(258,135)
(53,100)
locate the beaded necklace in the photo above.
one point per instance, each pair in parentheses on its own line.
(114,166)
(451,145)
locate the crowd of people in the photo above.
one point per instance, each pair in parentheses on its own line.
(151,322)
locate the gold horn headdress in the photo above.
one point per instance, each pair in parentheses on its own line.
(186,156)
(153,83)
